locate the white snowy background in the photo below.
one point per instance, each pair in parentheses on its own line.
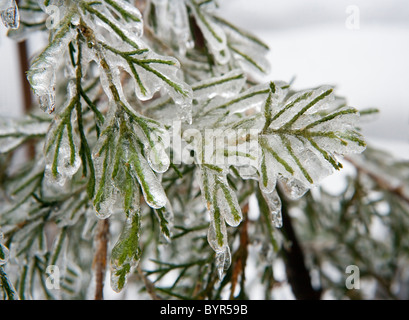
(312,41)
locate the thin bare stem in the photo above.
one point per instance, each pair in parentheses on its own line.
(100,257)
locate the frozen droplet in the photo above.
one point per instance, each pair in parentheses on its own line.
(10,14)
(248,172)
(274,204)
(47,101)
(294,188)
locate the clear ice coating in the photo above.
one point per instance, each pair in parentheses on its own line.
(152,188)
(9,14)
(166,219)
(149,72)
(42,73)
(155,151)
(105,207)
(252,98)
(61,152)
(126,252)
(228,203)
(226,86)
(212,32)
(177,34)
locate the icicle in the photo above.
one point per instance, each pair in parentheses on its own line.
(274,204)
(4,252)
(223,261)
(10,14)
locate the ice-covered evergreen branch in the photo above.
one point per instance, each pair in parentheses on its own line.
(156,123)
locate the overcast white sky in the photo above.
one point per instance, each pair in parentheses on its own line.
(310,40)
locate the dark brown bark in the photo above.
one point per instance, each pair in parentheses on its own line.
(23,58)
(297,273)
(25,88)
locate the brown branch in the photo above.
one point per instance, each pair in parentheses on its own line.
(23,60)
(100,258)
(26,91)
(297,273)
